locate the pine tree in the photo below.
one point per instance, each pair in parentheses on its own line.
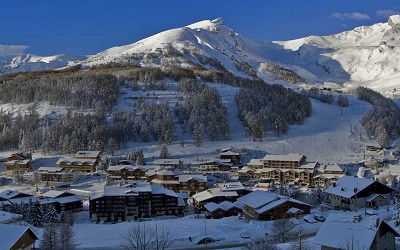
(164,153)
(36,214)
(52,216)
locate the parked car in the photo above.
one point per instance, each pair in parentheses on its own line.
(319,217)
(244,234)
(309,219)
(206,240)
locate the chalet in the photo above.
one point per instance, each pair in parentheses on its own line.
(81,165)
(221,192)
(215,165)
(263,205)
(83,161)
(134,201)
(56,174)
(230,154)
(353,231)
(61,200)
(126,172)
(18,165)
(353,193)
(192,184)
(14,237)
(176,163)
(16,197)
(223,209)
(20,156)
(327,174)
(175,180)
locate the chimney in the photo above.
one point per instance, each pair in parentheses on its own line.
(334,184)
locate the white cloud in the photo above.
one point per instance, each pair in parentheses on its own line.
(387,13)
(12,50)
(355,15)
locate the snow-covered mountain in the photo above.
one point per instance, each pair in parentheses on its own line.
(367,56)
(208,43)
(30,62)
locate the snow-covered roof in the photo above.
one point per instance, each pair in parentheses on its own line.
(11,234)
(264,200)
(288,157)
(213,192)
(9,194)
(158,181)
(294,210)
(341,229)
(211,206)
(50,169)
(170,172)
(167,162)
(87,154)
(347,186)
(197,177)
(374,196)
(53,193)
(120,167)
(229,153)
(229,186)
(75,161)
(127,190)
(225,205)
(258,198)
(68,199)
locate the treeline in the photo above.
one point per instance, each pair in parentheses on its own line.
(326,97)
(266,107)
(383,121)
(202,111)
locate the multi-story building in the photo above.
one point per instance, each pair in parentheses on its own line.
(18,165)
(56,174)
(84,161)
(287,169)
(126,172)
(175,180)
(134,201)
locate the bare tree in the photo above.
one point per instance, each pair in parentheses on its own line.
(66,237)
(141,236)
(49,237)
(282,230)
(300,243)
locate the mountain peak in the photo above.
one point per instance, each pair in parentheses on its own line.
(394,20)
(219,20)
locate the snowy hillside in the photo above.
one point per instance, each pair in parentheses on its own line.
(367,56)
(30,62)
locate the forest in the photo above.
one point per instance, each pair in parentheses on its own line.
(93,123)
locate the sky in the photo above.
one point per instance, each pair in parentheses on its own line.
(85,27)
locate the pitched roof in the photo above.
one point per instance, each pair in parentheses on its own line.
(341,229)
(11,233)
(347,186)
(289,157)
(263,201)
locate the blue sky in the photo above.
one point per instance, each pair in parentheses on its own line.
(87,27)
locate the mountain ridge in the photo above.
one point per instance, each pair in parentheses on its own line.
(365,56)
